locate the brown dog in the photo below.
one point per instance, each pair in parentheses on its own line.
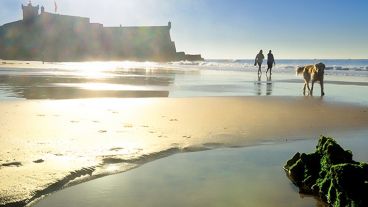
(312,73)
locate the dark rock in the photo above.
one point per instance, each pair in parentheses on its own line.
(331,174)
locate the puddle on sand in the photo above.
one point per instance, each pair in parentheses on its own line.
(251,176)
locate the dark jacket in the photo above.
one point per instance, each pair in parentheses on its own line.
(270,58)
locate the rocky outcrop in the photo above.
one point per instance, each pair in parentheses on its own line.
(331,174)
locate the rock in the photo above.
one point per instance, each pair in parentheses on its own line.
(331,174)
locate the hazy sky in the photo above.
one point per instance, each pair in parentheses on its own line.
(233,28)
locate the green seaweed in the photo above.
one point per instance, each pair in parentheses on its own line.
(331,174)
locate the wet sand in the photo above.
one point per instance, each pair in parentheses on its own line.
(47,144)
(251,176)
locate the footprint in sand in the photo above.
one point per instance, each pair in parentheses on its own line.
(116,149)
(39,161)
(128,125)
(112,111)
(11,164)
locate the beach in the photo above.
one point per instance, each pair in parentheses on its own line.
(249,176)
(65,124)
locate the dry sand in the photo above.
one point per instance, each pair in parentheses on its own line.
(46,142)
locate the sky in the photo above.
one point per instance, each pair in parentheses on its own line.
(233,29)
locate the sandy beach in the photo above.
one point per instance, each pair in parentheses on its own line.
(249,176)
(157,103)
(73,126)
(44,143)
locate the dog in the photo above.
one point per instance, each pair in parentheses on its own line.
(312,73)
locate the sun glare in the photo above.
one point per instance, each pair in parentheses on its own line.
(100,70)
(110,87)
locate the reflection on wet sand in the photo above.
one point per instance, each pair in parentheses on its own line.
(269,85)
(34,84)
(258,85)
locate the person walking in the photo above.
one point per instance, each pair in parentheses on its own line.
(258,61)
(270,62)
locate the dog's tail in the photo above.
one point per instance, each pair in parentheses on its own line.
(299,70)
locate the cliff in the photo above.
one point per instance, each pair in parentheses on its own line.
(53,37)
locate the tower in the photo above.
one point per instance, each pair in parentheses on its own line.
(30,12)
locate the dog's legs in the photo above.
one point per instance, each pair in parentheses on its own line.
(306,86)
(322,88)
(311,90)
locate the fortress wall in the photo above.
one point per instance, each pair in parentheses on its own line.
(139,42)
(53,37)
(94,41)
(61,38)
(18,41)
(64,38)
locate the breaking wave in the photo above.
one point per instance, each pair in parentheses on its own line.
(338,67)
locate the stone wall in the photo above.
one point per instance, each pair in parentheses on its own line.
(54,37)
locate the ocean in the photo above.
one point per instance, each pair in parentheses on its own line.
(126,79)
(349,67)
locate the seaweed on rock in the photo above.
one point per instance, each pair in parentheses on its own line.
(331,174)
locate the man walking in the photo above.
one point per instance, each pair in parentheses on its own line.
(270,62)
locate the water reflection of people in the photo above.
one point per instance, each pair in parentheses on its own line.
(258,85)
(269,85)
(258,61)
(270,62)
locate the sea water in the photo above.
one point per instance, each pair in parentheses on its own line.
(33,80)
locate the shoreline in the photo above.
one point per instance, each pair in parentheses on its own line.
(129,132)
